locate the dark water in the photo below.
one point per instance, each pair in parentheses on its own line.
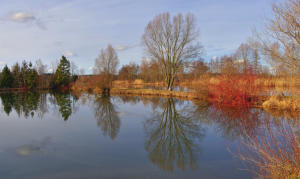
(63,136)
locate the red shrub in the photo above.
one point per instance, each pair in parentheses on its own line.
(235,90)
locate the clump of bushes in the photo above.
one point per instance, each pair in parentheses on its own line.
(282,103)
(233,90)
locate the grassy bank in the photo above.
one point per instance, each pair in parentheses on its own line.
(153,92)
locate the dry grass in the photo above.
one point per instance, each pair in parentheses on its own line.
(278,82)
(275,153)
(152,92)
(287,103)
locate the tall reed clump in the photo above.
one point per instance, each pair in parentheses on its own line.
(275,153)
(233,90)
(288,103)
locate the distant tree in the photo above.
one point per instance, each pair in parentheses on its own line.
(42,70)
(150,71)
(74,71)
(40,67)
(172,42)
(106,67)
(62,74)
(229,65)
(6,79)
(16,72)
(129,72)
(198,68)
(31,77)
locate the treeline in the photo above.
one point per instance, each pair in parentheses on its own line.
(29,77)
(174,52)
(245,60)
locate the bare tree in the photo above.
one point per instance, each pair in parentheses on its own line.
(42,70)
(106,66)
(81,71)
(281,44)
(172,42)
(40,67)
(74,68)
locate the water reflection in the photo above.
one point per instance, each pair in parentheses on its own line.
(236,122)
(31,103)
(22,103)
(107,116)
(64,102)
(34,147)
(174,128)
(172,136)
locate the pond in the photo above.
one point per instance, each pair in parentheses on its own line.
(47,135)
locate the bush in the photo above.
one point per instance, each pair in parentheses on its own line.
(237,90)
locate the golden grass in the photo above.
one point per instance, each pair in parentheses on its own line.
(275,153)
(282,103)
(153,92)
(138,82)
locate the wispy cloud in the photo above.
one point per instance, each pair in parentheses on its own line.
(24,17)
(124,47)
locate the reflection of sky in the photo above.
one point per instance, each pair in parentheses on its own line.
(33,29)
(33,148)
(78,148)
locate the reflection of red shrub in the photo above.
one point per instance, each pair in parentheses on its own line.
(233,90)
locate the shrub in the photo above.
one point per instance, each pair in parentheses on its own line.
(235,90)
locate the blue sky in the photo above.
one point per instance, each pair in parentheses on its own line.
(39,29)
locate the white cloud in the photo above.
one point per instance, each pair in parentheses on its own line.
(69,54)
(124,47)
(91,68)
(214,58)
(50,70)
(22,17)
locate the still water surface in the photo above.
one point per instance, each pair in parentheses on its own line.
(62,136)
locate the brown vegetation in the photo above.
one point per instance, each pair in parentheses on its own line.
(287,103)
(275,153)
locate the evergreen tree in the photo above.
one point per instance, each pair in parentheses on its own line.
(31,77)
(62,74)
(6,79)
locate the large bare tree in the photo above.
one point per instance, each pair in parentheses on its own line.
(106,66)
(281,45)
(172,41)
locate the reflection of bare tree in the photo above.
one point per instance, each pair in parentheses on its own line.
(171,138)
(107,117)
(42,106)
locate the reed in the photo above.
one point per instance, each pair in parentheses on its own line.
(287,103)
